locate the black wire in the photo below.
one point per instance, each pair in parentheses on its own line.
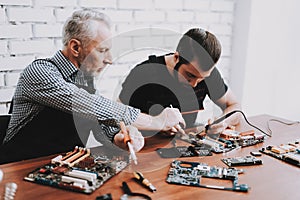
(276,120)
(235,111)
(252,124)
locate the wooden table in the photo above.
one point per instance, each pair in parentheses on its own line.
(272,180)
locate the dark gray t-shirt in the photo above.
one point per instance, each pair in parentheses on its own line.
(150,87)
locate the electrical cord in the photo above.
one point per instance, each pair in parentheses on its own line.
(282,122)
(231,113)
(270,135)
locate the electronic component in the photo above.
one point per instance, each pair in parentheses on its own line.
(243,139)
(228,140)
(241,161)
(215,145)
(255,153)
(78,170)
(190,173)
(10,190)
(184,151)
(286,152)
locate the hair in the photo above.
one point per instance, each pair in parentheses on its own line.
(198,44)
(81,25)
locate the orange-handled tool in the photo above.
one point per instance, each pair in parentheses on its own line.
(127,141)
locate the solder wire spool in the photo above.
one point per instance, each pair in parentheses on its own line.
(10,191)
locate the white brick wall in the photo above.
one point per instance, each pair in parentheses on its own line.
(2,83)
(120,15)
(2,15)
(31,47)
(11,79)
(208,18)
(98,3)
(226,18)
(220,29)
(182,16)
(6,94)
(149,16)
(15,31)
(45,30)
(54,3)
(31,29)
(148,42)
(62,14)
(30,14)
(3,47)
(16,2)
(15,63)
(202,5)
(168,4)
(135,4)
(3,108)
(222,6)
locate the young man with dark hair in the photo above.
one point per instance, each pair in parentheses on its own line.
(182,80)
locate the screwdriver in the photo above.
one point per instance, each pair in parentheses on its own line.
(127,141)
(140,177)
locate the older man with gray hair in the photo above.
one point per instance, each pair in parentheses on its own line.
(55,105)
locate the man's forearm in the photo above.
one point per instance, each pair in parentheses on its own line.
(147,122)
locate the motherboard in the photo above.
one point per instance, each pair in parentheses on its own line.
(289,152)
(191,173)
(184,151)
(225,141)
(242,161)
(78,170)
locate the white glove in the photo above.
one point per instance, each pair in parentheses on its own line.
(216,128)
(137,140)
(169,118)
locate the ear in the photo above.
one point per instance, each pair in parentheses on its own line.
(176,57)
(75,47)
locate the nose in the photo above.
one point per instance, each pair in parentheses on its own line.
(108,58)
(194,82)
(107,61)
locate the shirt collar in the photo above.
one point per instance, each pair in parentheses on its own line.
(65,66)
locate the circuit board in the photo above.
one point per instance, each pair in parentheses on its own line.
(210,143)
(289,152)
(243,139)
(78,170)
(225,141)
(190,173)
(242,161)
(184,151)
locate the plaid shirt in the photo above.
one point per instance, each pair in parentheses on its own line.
(44,84)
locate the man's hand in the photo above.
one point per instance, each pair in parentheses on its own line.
(216,128)
(137,140)
(169,119)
